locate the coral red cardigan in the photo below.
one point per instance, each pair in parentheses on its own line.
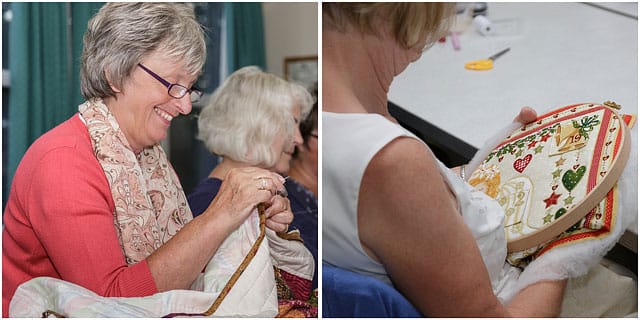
(59,222)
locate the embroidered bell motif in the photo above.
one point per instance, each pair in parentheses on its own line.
(568,138)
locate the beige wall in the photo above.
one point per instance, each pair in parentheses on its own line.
(290,30)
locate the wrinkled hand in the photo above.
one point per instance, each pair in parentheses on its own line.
(526,115)
(242,190)
(279,214)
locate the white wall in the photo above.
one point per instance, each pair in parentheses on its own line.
(290,30)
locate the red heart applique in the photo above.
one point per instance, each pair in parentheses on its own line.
(521,164)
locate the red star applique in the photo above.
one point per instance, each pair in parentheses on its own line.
(532,144)
(545,137)
(553,199)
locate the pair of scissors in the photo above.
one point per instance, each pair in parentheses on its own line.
(485,64)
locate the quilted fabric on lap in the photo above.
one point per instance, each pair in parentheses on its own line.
(253,295)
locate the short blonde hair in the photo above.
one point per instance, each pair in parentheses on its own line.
(410,22)
(120,35)
(247,112)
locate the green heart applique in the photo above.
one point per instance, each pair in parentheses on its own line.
(560,212)
(571,178)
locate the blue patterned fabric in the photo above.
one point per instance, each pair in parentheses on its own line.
(347,294)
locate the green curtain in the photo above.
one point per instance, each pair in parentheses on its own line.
(45,44)
(245,35)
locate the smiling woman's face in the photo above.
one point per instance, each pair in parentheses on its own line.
(285,146)
(143,107)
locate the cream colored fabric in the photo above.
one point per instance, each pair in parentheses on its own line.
(291,256)
(601,293)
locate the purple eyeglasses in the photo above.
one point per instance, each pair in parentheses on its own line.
(175,90)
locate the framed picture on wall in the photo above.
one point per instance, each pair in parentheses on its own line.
(302,70)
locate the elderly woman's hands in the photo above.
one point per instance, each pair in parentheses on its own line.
(279,214)
(244,188)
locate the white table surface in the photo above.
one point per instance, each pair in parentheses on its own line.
(561,53)
(630,8)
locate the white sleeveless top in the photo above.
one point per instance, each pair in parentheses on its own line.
(349,143)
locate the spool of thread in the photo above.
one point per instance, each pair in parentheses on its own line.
(482,25)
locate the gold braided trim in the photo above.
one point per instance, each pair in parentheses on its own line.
(245,262)
(290,235)
(48,313)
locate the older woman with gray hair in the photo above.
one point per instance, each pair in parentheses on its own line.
(95,201)
(252,119)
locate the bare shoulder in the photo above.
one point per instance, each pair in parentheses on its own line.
(404,159)
(402,178)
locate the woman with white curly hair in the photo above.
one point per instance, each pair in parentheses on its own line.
(252,119)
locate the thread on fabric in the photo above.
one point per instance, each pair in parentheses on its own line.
(236,275)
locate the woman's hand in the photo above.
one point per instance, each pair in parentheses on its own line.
(526,115)
(279,214)
(241,191)
(244,188)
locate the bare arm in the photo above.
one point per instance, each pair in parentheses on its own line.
(541,299)
(177,263)
(408,221)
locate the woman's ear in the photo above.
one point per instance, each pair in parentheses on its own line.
(107,76)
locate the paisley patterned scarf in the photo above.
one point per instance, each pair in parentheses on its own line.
(150,205)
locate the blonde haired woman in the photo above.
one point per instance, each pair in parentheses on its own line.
(391,210)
